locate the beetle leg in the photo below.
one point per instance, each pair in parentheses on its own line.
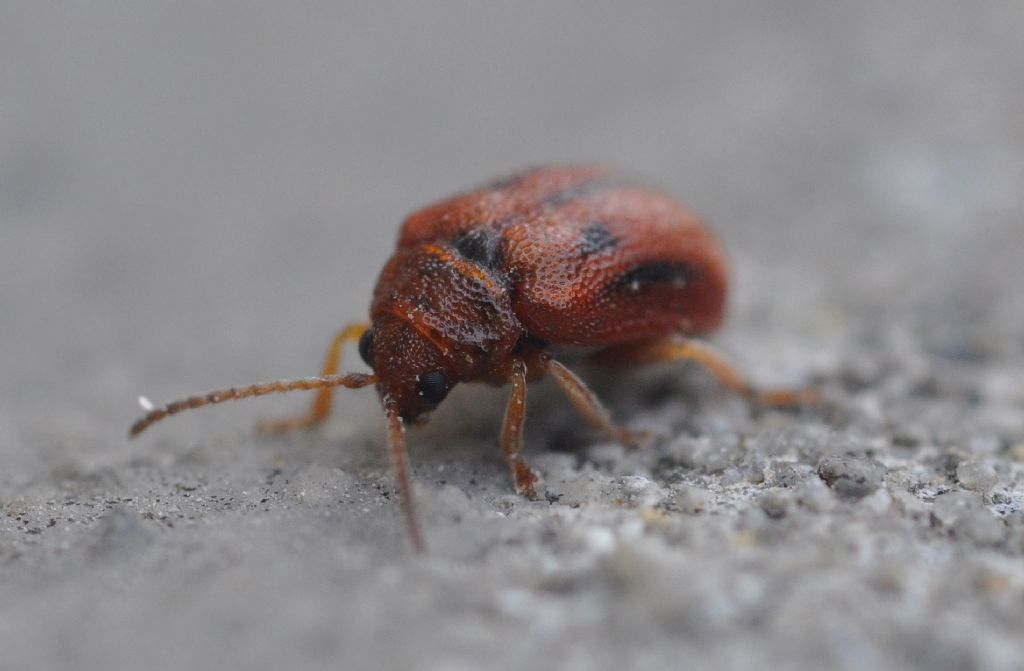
(512,432)
(676,348)
(321,406)
(588,405)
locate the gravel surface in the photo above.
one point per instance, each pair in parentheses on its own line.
(194,195)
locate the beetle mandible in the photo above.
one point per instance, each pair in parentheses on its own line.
(482,285)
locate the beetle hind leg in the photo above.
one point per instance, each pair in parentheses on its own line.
(589,406)
(321,407)
(677,348)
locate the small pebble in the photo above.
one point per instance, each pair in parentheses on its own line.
(639,490)
(691,499)
(815,496)
(775,502)
(785,474)
(951,506)
(852,477)
(908,503)
(976,476)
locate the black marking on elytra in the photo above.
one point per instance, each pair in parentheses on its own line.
(568,194)
(509,181)
(562,196)
(595,238)
(502,183)
(481,246)
(654,272)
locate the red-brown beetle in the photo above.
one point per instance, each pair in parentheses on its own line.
(483,284)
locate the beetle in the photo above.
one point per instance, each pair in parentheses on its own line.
(484,284)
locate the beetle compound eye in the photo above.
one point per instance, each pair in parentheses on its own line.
(366,347)
(432,387)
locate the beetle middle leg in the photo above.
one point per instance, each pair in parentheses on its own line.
(676,348)
(512,432)
(321,407)
(588,405)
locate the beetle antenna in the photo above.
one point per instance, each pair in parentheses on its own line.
(351,380)
(399,461)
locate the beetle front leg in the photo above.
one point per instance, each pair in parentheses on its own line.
(321,407)
(676,348)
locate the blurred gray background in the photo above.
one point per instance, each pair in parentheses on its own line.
(194,195)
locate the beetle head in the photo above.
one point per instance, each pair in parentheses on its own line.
(438,319)
(413,373)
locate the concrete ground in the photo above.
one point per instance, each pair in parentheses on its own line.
(196,195)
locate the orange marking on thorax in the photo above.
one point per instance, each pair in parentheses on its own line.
(466,268)
(412,316)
